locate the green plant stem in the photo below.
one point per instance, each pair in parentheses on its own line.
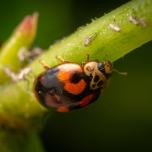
(22,37)
(15,141)
(105,43)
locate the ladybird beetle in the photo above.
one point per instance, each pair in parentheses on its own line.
(71,86)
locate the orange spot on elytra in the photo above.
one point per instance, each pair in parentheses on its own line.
(66,71)
(86,100)
(75,88)
(64,75)
(63,109)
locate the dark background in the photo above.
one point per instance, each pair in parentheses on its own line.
(121,120)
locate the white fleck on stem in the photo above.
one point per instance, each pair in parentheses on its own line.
(115,27)
(23,73)
(25,54)
(10,73)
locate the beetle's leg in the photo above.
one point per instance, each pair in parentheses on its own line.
(44,64)
(82,64)
(61,59)
(87,60)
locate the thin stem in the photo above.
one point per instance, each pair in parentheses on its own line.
(22,37)
(15,141)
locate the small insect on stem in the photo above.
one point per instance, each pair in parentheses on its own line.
(28,55)
(115,27)
(137,21)
(19,76)
(89,39)
(134,20)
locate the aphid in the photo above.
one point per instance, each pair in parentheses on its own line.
(71,86)
(137,21)
(134,20)
(88,40)
(17,76)
(115,27)
(28,55)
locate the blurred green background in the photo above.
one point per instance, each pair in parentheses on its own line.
(121,120)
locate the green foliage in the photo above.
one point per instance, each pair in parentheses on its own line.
(16,141)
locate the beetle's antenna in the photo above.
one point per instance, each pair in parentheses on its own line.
(121,73)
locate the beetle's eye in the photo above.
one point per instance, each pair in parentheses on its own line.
(101,67)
